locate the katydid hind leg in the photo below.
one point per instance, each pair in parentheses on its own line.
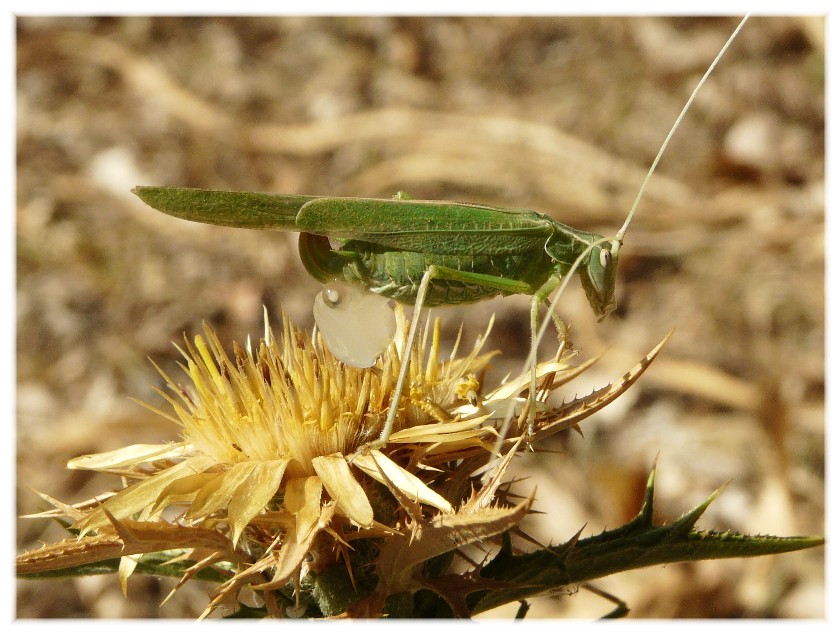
(440,273)
(422,290)
(532,385)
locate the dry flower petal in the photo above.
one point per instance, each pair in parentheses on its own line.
(303,500)
(182,490)
(127,456)
(252,495)
(441,432)
(403,553)
(143,495)
(218,493)
(343,488)
(374,461)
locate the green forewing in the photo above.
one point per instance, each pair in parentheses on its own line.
(251,210)
(427,226)
(407,225)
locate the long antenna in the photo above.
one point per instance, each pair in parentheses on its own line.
(620,235)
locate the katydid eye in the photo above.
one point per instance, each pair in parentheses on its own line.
(605,257)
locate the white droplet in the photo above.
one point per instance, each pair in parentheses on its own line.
(331,294)
(355,324)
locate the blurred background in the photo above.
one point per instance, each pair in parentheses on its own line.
(559,115)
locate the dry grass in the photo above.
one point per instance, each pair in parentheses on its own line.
(558,115)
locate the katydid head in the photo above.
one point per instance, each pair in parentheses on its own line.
(598,277)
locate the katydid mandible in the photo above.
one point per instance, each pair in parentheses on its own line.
(429,253)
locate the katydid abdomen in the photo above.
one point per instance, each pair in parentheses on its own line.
(396,274)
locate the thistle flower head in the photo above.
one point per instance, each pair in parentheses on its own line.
(276,476)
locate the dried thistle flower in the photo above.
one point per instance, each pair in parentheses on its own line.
(274,478)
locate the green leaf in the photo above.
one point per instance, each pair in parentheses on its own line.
(637,544)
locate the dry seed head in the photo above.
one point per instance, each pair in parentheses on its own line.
(270,417)
(269,477)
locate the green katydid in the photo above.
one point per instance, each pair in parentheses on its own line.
(429,253)
(424,252)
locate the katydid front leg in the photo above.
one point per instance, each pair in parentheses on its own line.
(542,295)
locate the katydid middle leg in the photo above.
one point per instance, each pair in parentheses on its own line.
(541,295)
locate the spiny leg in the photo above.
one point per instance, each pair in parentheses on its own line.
(537,298)
(559,325)
(412,331)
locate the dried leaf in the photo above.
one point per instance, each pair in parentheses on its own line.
(131,538)
(303,500)
(127,566)
(571,413)
(292,553)
(401,554)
